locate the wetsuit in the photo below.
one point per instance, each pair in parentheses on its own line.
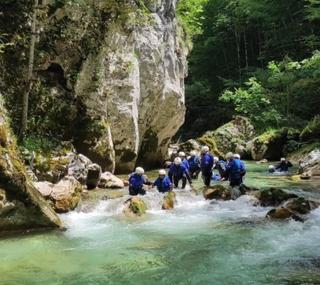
(206,168)
(177,173)
(163,184)
(136,183)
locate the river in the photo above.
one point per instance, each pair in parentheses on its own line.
(199,242)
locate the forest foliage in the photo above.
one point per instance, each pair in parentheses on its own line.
(253,57)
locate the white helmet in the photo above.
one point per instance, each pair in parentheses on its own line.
(193,153)
(236,156)
(182,154)
(204,149)
(271,167)
(177,161)
(162,172)
(229,155)
(283,159)
(216,159)
(140,170)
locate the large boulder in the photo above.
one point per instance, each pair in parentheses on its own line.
(232,136)
(273,196)
(64,196)
(309,165)
(21,206)
(189,145)
(52,169)
(94,175)
(110,181)
(121,65)
(169,200)
(78,167)
(270,145)
(135,207)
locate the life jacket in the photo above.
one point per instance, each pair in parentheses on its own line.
(136,181)
(163,184)
(206,162)
(235,169)
(194,162)
(177,170)
(186,163)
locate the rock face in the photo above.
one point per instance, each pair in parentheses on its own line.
(232,136)
(21,205)
(64,196)
(135,207)
(123,65)
(108,180)
(309,165)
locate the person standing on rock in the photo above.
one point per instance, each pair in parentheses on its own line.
(206,165)
(184,160)
(194,165)
(137,181)
(179,172)
(236,170)
(221,166)
(163,182)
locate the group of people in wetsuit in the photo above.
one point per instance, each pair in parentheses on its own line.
(186,169)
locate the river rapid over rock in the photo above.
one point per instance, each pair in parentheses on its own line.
(198,242)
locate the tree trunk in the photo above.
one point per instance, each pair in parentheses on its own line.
(237,37)
(246,48)
(25,99)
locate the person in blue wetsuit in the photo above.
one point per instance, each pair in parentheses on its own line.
(221,166)
(283,166)
(163,182)
(194,165)
(137,181)
(206,165)
(184,160)
(179,172)
(236,170)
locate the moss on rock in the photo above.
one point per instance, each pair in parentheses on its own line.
(169,200)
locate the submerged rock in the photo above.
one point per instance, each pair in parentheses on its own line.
(64,196)
(94,175)
(169,200)
(301,205)
(135,207)
(21,206)
(108,180)
(219,192)
(273,197)
(280,214)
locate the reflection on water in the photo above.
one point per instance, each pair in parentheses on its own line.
(199,242)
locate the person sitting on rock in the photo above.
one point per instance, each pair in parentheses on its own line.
(206,165)
(284,165)
(137,181)
(163,182)
(236,170)
(184,160)
(179,172)
(221,166)
(194,165)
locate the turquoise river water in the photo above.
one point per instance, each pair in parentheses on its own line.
(199,242)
